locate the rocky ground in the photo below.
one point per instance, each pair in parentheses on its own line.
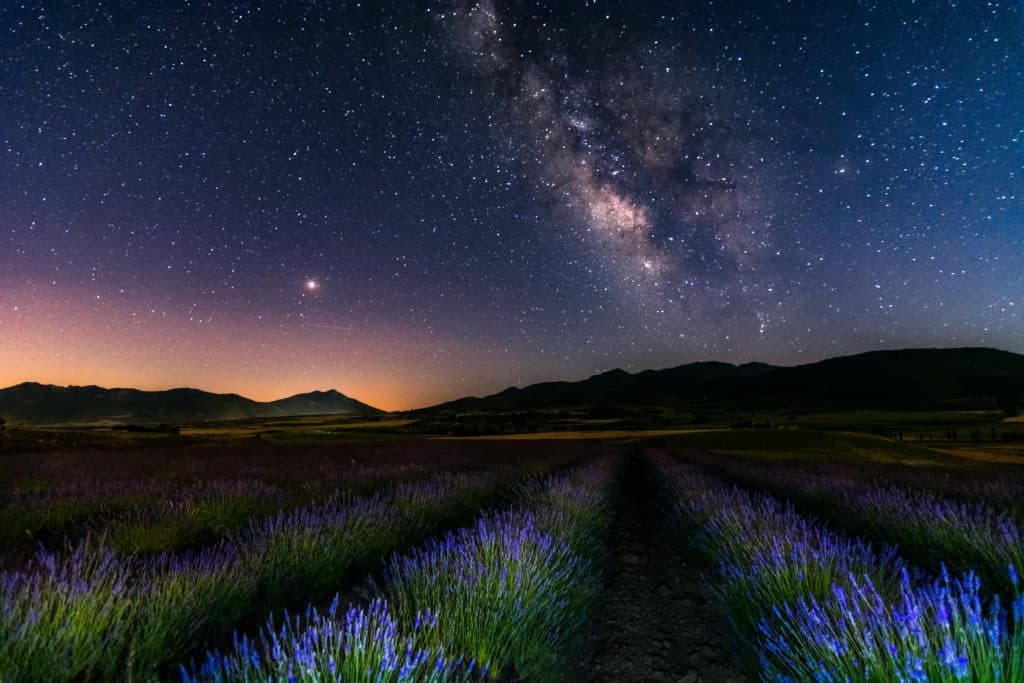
(658,621)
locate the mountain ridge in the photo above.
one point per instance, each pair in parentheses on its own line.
(39,403)
(963,377)
(923,378)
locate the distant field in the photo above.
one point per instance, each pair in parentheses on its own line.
(48,439)
(311,426)
(994,452)
(807,444)
(295,430)
(914,424)
(569,435)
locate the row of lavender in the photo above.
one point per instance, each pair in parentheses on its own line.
(1000,486)
(157,514)
(930,528)
(817,605)
(87,612)
(506,596)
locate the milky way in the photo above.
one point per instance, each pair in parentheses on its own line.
(656,173)
(497,192)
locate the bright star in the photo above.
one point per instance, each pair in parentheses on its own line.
(312,285)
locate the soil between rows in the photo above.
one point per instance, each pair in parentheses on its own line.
(658,620)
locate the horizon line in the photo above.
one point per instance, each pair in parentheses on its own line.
(509,386)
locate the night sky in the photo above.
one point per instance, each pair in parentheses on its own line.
(414,201)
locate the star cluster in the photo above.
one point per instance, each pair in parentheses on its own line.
(411,201)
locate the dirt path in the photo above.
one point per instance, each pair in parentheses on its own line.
(657,622)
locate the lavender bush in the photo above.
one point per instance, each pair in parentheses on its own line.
(818,606)
(932,529)
(86,612)
(361,646)
(507,594)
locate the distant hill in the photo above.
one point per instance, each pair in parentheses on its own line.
(965,378)
(920,379)
(49,404)
(321,403)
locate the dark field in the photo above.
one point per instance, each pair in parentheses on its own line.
(663,555)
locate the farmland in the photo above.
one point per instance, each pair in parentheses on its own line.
(702,555)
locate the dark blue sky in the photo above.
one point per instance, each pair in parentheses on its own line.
(412,201)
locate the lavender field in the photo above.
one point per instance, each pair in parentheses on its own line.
(507,561)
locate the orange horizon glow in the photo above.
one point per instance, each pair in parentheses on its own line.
(86,340)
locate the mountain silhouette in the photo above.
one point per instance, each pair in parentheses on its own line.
(49,404)
(963,378)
